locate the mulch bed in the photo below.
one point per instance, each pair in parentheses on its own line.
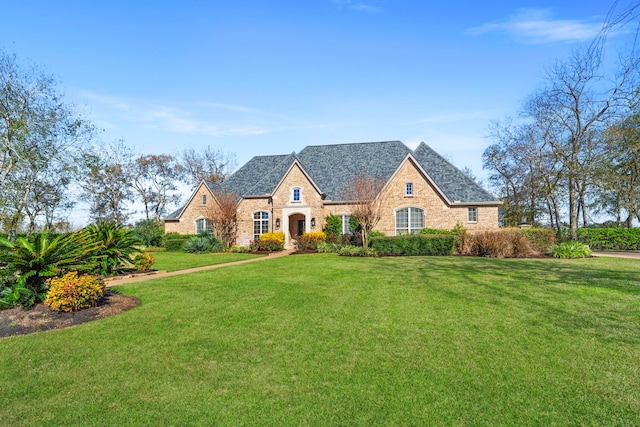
(20,321)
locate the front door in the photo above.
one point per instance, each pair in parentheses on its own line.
(301,227)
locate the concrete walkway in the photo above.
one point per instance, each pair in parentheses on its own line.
(114,281)
(634,255)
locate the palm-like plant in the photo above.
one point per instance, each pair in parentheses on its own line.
(115,246)
(35,260)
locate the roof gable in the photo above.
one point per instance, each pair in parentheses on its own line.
(332,167)
(457,186)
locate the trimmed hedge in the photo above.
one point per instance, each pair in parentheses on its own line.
(175,245)
(414,244)
(622,239)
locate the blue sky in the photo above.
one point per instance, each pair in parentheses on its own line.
(270,77)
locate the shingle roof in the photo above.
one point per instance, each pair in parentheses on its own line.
(331,167)
(334,166)
(457,186)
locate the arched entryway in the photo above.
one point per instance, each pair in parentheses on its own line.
(297,225)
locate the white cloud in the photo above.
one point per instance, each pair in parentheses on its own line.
(371,6)
(538,26)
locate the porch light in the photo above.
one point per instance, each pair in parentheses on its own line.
(277,223)
(313,223)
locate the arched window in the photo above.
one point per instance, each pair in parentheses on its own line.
(260,224)
(409,220)
(203,226)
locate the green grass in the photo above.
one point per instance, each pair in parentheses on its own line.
(327,340)
(172,261)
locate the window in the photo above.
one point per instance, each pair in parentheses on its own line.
(408,189)
(260,224)
(409,220)
(203,226)
(204,199)
(473,214)
(296,194)
(345,224)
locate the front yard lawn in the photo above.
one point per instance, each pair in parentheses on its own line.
(172,261)
(327,340)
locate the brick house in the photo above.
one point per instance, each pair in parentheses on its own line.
(294,193)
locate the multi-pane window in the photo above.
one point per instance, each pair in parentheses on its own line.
(473,214)
(260,224)
(409,220)
(296,194)
(203,226)
(408,189)
(345,224)
(204,199)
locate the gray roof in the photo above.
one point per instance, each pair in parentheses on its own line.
(457,186)
(332,167)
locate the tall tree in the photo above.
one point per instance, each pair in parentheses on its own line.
(105,180)
(223,216)
(155,179)
(39,136)
(206,164)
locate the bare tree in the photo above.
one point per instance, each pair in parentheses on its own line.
(223,216)
(207,164)
(366,200)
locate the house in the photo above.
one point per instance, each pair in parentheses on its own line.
(294,193)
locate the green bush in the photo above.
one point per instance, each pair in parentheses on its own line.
(144,261)
(414,244)
(571,249)
(376,233)
(333,225)
(175,245)
(431,231)
(116,247)
(238,249)
(150,232)
(324,247)
(310,241)
(620,239)
(32,261)
(202,244)
(351,250)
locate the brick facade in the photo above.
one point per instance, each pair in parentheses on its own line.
(307,213)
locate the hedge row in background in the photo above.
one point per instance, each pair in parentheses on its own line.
(414,244)
(621,239)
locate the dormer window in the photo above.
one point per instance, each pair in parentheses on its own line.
(204,199)
(296,195)
(408,189)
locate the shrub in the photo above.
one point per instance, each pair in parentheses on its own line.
(16,294)
(115,247)
(238,249)
(309,241)
(351,250)
(497,244)
(375,233)
(276,235)
(202,244)
(149,231)
(571,250)
(32,261)
(541,239)
(414,244)
(268,245)
(74,292)
(144,261)
(324,247)
(430,231)
(333,225)
(175,245)
(623,239)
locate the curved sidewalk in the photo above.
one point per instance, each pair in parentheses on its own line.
(160,274)
(633,255)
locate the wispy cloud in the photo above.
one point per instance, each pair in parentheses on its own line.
(537,26)
(370,6)
(199,119)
